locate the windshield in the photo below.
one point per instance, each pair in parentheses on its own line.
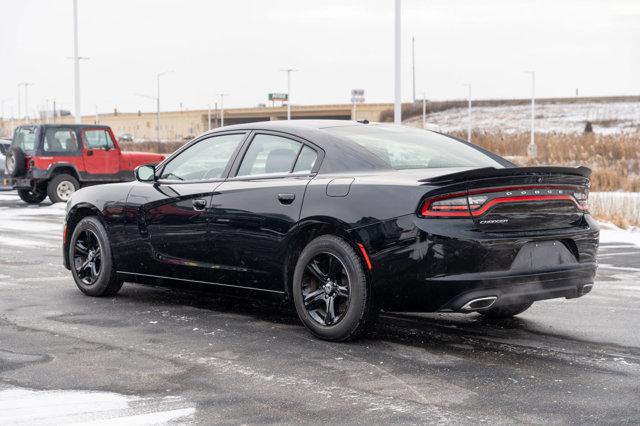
(25,138)
(411,148)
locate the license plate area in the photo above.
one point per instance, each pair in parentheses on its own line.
(542,255)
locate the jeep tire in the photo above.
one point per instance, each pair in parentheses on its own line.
(32,197)
(60,188)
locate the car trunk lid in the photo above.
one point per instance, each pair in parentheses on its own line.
(515,199)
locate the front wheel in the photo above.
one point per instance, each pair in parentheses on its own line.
(90,259)
(331,291)
(31,197)
(503,312)
(61,187)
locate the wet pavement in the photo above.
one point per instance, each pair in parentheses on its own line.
(154,355)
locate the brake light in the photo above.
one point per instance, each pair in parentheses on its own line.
(479,201)
(582,199)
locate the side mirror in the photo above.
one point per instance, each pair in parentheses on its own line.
(146,173)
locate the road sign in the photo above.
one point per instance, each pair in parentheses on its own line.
(278,97)
(357,96)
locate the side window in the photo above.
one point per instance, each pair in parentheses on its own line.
(25,139)
(269,154)
(206,159)
(97,139)
(60,140)
(306,160)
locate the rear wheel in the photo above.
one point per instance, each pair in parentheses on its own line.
(331,292)
(61,187)
(32,197)
(506,311)
(90,259)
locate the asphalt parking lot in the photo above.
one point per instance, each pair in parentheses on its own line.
(153,355)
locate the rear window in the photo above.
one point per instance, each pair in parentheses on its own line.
(410,148)
(25,138)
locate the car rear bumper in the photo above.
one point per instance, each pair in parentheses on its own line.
(444,268)
(505,289)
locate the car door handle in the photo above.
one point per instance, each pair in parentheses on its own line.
(199,204)
(286,198)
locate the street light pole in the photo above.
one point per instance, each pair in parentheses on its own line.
(222,95)
(289,71)
(532,149)
(413,66)
(424,110)
(397,108)
(158,103)
(26,98)
(76,65)
(469,114)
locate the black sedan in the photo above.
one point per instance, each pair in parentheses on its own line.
(342,219)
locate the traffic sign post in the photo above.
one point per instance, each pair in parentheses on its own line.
(357,97)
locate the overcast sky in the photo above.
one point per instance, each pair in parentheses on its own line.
(238,47)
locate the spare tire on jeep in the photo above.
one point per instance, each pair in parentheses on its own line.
(15,163)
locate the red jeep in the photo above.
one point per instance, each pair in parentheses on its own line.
(57,159)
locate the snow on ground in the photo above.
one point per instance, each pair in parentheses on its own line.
(611,234)
(606,117)
(49,407)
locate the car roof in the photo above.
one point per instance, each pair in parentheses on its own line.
(342,154)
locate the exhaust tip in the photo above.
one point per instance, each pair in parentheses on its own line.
(480,303)
(586,289)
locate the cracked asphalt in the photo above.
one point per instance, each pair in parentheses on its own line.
(155,355)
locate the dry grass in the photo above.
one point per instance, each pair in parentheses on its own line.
(620,208)
(614,159)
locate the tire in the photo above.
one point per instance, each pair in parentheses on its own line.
(32,197)
(61,187)
(98,279)
(314,281)
(15,162)
(503,312)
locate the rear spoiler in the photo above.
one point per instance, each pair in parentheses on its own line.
(491,172)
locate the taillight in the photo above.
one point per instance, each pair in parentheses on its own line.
(478,201)
(452,205)
(582,200)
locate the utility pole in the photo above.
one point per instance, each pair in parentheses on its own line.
(216,114)
(158,103)
(97,115)
(18,114)
(54,110)
(397,107)
(209,116)
(413,66)
(469,114)
(76,65)
(2,102)
(222,95)
(532,149)
(289,71)
(26,98)
(424,110)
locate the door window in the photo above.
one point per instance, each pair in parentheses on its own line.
(60,140)
(269,154)
(97,139)
(306,160)
(206,159)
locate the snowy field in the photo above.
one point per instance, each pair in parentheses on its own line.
(606,117)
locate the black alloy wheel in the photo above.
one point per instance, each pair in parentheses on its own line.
(87,257)
(325,289)
(91,261)
(331,290)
